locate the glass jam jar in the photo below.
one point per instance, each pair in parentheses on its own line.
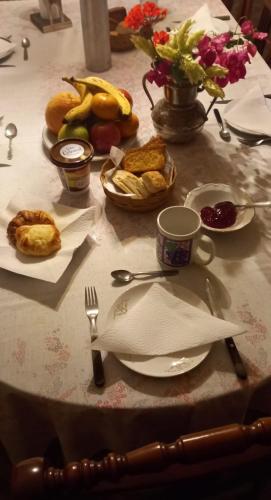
(72,158)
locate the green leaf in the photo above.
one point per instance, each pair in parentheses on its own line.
(143,44)
(183,33)
(216,70)
(213,88)
(194,71)
(193,40)
(167,52)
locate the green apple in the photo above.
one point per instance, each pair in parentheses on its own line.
(69,130)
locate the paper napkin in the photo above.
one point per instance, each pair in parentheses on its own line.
(74,225)
(204,21)
(251,113)
(160,323)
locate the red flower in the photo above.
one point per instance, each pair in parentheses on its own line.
(135,18)
(140,15)
(161,37)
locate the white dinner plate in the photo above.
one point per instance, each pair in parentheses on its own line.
(49,139)
(169,365)
(6,48)
(210,194)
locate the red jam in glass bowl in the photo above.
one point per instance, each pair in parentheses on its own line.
(222,215)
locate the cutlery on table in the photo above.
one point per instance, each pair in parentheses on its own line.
(254,142)
(226,101)
(263,204)
(6,38)
(224,131)
(92,310)
(10,133)
(25,45)
(5,165)
(237,362)
(7,65)
(126,276)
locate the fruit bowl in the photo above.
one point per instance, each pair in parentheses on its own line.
(49,139)
(127,202)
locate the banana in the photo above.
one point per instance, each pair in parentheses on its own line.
(80,112)
(80,87)
(96,84)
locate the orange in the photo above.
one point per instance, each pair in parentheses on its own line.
(129,127)
(105,106)
(57,108)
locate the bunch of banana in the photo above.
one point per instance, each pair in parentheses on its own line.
(95,85)
(82,111)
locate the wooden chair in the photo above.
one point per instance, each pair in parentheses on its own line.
(239,8)
(264,24)
(188,462)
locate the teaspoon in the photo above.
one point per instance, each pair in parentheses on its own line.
(224,131)
(25,45)
(10,133)
(254,205)
(126,276)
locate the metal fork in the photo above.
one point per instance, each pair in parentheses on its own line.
(92,311)
(254,142)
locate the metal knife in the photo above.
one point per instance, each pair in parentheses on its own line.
(237,362)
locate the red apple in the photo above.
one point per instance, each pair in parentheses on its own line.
(103,135)
(127,95)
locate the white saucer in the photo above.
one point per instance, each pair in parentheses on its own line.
(169,365)
(210,194)
(49,139)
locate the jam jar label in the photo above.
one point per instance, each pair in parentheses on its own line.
(72,151)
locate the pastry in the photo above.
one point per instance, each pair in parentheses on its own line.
(154,181)
(151,156)
(27,218)
(130,183)
(39,239)
(144,160)
(33,232)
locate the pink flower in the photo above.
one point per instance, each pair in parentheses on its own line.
(251,48)
(247,27)
(259,35)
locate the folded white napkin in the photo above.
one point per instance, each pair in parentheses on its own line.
(204,21)
(74,225)
(158,323)
(6,48)
(251,113)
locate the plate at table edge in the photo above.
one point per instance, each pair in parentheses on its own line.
(228,193)
(49,139)
(170,365)
(240,130)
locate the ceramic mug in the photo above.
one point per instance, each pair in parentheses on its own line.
(179,238)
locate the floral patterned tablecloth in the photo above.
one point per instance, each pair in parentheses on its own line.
(46,383)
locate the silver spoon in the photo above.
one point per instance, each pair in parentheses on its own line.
(10,133)
(127,276)
(25,45)
(263,204)
(224,131)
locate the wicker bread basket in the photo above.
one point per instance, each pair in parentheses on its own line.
(133,204)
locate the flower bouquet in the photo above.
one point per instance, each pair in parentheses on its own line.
(205,59)
(195,60)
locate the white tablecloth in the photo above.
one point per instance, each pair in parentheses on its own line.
(46,383)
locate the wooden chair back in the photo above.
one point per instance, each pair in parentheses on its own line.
(34,478)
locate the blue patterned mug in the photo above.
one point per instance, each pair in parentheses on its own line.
(179,238)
